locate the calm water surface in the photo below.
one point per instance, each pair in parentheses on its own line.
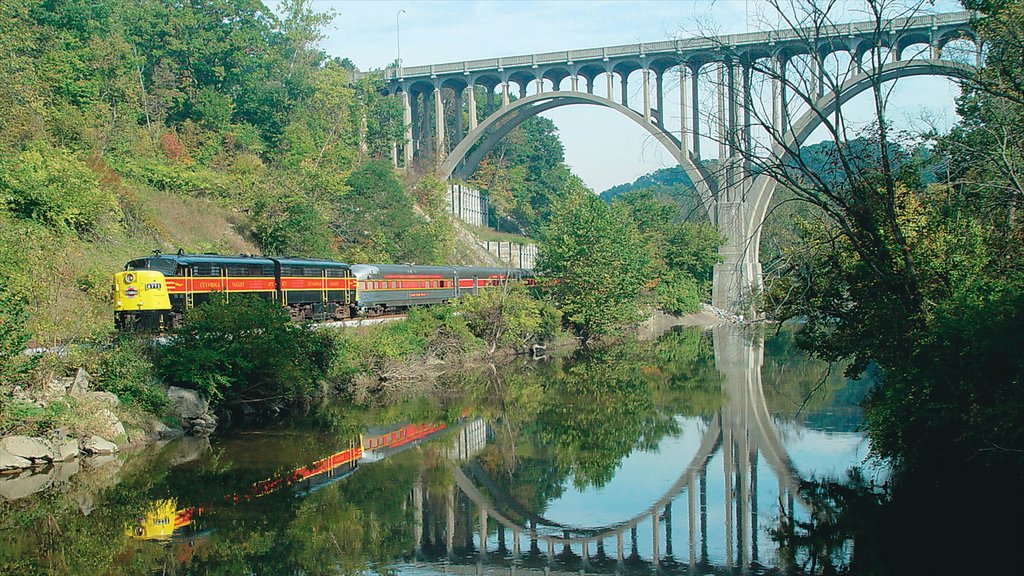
(681,455)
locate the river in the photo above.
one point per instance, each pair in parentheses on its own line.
(690,453)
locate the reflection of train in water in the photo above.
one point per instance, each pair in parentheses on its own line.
(164,518)
(154,292)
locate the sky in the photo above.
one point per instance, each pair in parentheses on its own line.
(601,146)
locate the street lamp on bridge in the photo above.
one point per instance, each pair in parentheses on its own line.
(398,36)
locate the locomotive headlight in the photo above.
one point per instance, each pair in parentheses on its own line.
(129,278)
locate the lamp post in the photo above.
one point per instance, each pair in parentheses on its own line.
(398,37)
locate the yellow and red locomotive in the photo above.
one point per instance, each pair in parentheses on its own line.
(153,293)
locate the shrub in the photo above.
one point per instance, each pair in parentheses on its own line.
(504,317)
(435,332)
(126,370)
(13,336)
(245,350)
(677,293)
(55,188)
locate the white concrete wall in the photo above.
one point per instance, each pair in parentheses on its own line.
(467,204)
(514,254)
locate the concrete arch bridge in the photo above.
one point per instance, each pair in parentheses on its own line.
(785,82)
(742,432)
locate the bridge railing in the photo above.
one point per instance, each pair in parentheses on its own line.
(677,46)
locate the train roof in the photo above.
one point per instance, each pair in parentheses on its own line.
(362,271)
(309,262)
(183,258)
(247,259)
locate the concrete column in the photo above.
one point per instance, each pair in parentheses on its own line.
(647,94)
(694,79)
(748,104)
(692,513)
(684,113)
(655,538)
(776,100)
(416,128)
(408,125)
(610,76)
(659,98)
(489,108)
(504,93)
(753,507)
(458,118)
(540,85)
(417,514)
(740,271)
(625,90)
(362,134)
(439,144)
(483,533)
(471,104)
(728,471)
(704,513)
(449,515)
(723,120)
(735,99)
(668,529)
(574,83)
(515,542)
(618,546)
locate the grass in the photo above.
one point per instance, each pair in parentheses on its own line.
(488,235)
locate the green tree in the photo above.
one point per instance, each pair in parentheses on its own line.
(595,262)
(376,219)
(13,337)
(508,316)
(246,350)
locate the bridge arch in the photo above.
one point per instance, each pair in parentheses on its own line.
(464,158)
(764,186)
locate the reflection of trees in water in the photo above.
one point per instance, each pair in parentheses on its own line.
(806,389)
(581,418)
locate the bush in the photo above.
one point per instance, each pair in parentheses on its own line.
(677,293)
(246,350)
(55,188)
(13,336)
(126,370)
(435,332)
(507,317)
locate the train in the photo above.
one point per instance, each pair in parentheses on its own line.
(156,291)
(164,520)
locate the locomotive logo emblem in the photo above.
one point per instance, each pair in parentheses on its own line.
(131,292)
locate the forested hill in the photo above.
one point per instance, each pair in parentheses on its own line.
(671,184)
(675,186)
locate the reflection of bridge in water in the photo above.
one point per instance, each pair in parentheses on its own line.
(479,524)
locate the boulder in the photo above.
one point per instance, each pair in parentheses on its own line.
(63,471)
(103,397)
(187,449)
(98,445)
(26,484)
(9,461)
(27,447)
(186,404)
(80,384)
(65,450)
(161,431)
(204,425)
(113,427)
